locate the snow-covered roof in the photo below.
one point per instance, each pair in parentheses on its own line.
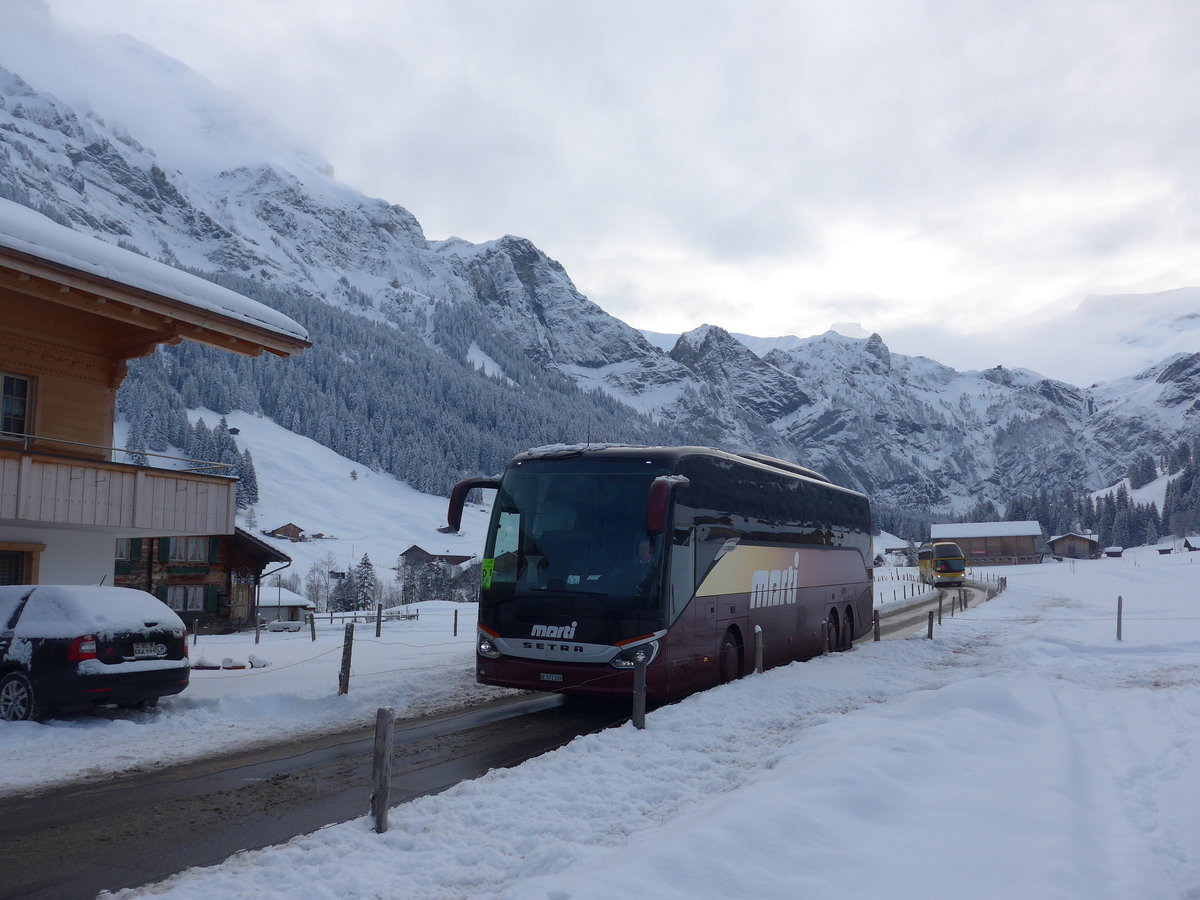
(27,231)
(1095,539)
(270,595)
(984,529)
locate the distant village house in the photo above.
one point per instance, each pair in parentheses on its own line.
(1074,546)
(290,532)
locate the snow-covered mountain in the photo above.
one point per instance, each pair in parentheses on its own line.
(435,359)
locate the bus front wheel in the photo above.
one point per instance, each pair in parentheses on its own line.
(730,658)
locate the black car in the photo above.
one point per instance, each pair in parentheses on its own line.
(67,647)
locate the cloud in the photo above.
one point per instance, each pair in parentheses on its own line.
(696,161)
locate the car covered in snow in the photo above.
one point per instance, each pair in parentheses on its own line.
(69,647)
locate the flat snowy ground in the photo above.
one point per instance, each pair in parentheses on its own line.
(1023,752)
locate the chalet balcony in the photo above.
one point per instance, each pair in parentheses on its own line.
(44,489)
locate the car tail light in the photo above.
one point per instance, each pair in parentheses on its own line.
(185,646)
(82,648)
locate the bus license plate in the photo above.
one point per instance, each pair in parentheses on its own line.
(548,676)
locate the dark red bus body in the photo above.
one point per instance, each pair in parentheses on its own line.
(743,542)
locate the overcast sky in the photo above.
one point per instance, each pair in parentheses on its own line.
(770,167)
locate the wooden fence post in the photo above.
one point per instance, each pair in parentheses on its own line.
(378,619)
(875,616)
(312,625)
(381,768)
(456,623)
(931,624)
(1120,605)
(758,649)
(347,649)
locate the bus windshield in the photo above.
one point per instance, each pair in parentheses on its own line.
(576,526)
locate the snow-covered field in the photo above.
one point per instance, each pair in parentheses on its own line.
(1024,752)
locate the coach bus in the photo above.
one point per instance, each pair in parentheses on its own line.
(598,554)
(941,562)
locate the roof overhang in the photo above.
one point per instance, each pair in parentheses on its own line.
(151,318)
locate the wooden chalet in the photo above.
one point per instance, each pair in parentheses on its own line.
(1074,546)
(210,580)
(290,532)
(417,556)
(73,311)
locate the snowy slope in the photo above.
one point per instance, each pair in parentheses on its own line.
(307,484)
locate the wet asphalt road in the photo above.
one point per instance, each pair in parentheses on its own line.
(76,841)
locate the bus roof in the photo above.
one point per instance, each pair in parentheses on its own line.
(671,456)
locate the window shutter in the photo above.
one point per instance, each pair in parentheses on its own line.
(164,549)
(210,598)
(214,549)
(161,592)
(135,549)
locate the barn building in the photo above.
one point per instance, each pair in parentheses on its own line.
(994,543)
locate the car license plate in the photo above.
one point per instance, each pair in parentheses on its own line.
(547,676)
(141,648)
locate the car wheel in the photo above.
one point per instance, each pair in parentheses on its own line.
(18,703)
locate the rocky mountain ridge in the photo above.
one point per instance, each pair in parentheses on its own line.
(908,430)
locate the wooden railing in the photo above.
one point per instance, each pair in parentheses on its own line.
(59,489)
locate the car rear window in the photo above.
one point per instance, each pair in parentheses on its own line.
(10,599)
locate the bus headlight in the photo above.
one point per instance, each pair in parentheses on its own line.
(628,657)
(487,648)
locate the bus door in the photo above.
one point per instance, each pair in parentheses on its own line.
(691,619)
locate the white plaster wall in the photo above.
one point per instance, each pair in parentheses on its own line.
(70,557)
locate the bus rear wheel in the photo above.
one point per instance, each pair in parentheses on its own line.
(729,659)
(846,639)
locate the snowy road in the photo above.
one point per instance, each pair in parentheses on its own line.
(76,841)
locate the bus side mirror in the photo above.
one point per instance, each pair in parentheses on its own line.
(458,499)
(658,502)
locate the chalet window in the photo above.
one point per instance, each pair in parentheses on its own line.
(19,563)
(12,567)
(16,405)
(123,549)
(189,549)
(184,597)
